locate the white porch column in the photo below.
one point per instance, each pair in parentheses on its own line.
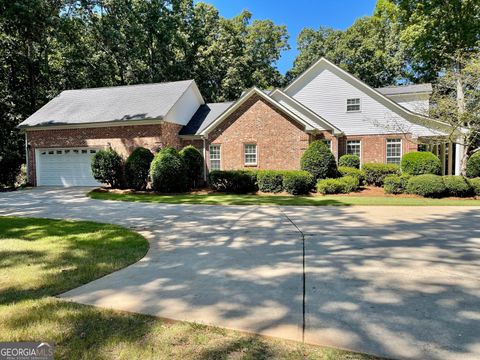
(459,149)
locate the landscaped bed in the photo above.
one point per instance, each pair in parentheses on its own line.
(368,196)
(41,258)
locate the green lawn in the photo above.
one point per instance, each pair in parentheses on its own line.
(233,199)
(40,258)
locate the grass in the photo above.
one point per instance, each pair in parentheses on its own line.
(235,199)
(40,258)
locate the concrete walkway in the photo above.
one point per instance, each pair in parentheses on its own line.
(401,282)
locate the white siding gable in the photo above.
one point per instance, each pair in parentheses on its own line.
(186,106)
(418,103)
(325,90)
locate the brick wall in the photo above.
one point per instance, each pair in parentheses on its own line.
(374,147)
(280,140)
(122,138)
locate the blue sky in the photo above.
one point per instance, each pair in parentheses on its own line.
(297,14)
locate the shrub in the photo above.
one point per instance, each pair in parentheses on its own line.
(395,184)
(427,185)
(193,162)
(107,167)
(350,171)
(10,167)
(297,182)
(419,163)
(167,171)
(352,161)
(270,181)
(457,186)
(235,181)
(475,184)
(376,173)
(343,185)
(137,168)
(319,161)
(473,165)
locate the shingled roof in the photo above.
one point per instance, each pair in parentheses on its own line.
(204,116)
(110,104)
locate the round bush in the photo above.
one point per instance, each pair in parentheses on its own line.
(473,165)
(475,184)
(427,185)
(10,165)
(319,161)
(395,184)
(457,186)
(167,172)
(343,185)
(233,181)
(297,182)
(376,173)
(137,168)
(419,163)
(107,167)
(270,181)
(352,161)
(350,171)
(193,161)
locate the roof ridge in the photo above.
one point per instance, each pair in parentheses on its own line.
(131,85)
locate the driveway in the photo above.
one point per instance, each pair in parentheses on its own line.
(401,282)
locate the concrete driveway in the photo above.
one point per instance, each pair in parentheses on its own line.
(401,282)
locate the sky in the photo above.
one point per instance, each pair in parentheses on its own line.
(298,14)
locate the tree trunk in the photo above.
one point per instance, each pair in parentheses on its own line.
(461,111)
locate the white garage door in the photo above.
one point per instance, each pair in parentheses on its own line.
(65,167)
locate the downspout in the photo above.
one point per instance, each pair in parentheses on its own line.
(27,166)
(204,159)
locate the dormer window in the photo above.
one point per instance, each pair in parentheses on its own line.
(353,105)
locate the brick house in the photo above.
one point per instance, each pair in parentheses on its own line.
(260,130)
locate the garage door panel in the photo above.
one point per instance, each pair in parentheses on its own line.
(65,167)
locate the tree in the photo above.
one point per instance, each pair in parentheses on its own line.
(370,49)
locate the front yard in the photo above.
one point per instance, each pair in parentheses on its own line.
(253,199)
(41,258)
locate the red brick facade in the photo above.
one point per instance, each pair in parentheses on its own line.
(280,140)
(122,138)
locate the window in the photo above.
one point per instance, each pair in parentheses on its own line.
(250,151)
(394,151)
(93,151)
(214,157)
(353,105)
(328,143)
(353,147)
(84,151)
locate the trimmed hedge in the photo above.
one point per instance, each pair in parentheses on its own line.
(270,181)
(234,181)
(419,163)
(473,165)
(350,171)
(352,161)
(107,167)
(167,172)
(297,182)
(137,168)
(319,161)
(343,185)
(193,162)
(376,173)
(475,184)
(457,186)
(427,185)
(395,184)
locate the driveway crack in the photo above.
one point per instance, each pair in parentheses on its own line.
(303,272)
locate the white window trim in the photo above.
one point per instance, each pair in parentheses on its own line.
(353,111)
(245,155)
(219,156)
(346,149)
(386,149)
